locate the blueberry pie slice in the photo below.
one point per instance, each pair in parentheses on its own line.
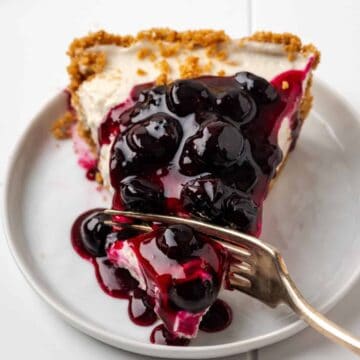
(193,124)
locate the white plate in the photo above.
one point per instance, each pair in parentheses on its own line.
(311,216)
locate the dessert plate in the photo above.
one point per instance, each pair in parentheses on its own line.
(310,216)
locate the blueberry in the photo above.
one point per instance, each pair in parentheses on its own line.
(261,90)
(204,117)
(93,234)
(237,105)
(209,198)
(159,136)
(153,96)
(147,101)
(188,96)
(268,157)
(150,143)
(189,162)
(143,108)
(139,194)
(194,295)
(218,144)
(138,91)
(243,175)
(178,242)
(204,197)
(241,212)
(222,144)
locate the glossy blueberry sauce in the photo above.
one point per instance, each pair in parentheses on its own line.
(207,147)
(198,269)
(183,268)
(141,308)
(114,281)
(203,148)
(160,335)
(218,318)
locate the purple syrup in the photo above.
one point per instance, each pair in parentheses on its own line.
(76,238)
(160,335)
(186,282)
(110,127)
(209,132)
(218,317)
(138,89)
(115,282)
(141,308)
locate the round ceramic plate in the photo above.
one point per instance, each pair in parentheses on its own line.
(310,215)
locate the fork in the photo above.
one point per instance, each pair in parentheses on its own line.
(256,268)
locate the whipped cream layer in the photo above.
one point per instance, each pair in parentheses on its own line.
(124,69)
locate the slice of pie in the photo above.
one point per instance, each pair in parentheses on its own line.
(193,124)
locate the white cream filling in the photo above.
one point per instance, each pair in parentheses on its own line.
(127,259)
(104,164)
(113,85)
(284,136)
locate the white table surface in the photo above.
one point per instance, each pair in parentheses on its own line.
(34,36)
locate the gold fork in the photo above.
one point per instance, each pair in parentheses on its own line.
(257,269)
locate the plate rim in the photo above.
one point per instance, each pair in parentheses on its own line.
(119,341)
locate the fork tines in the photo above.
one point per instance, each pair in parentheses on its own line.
(237,244)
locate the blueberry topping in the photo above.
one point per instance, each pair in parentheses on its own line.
(241,212)
(212,136)
(148,100)
(237,105)
(178,242)
(188,96)
(204,197)
(244,174)
(152,142)
(94,233)
(259,88)
(161,335)
(152,97)
(159,136)
(217,145)
(217,318)
(141,308)
(268,156)
(138,92)
(139,194)
(194,295)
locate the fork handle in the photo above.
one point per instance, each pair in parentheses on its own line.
(316,320)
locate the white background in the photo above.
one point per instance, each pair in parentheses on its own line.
(34,37)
